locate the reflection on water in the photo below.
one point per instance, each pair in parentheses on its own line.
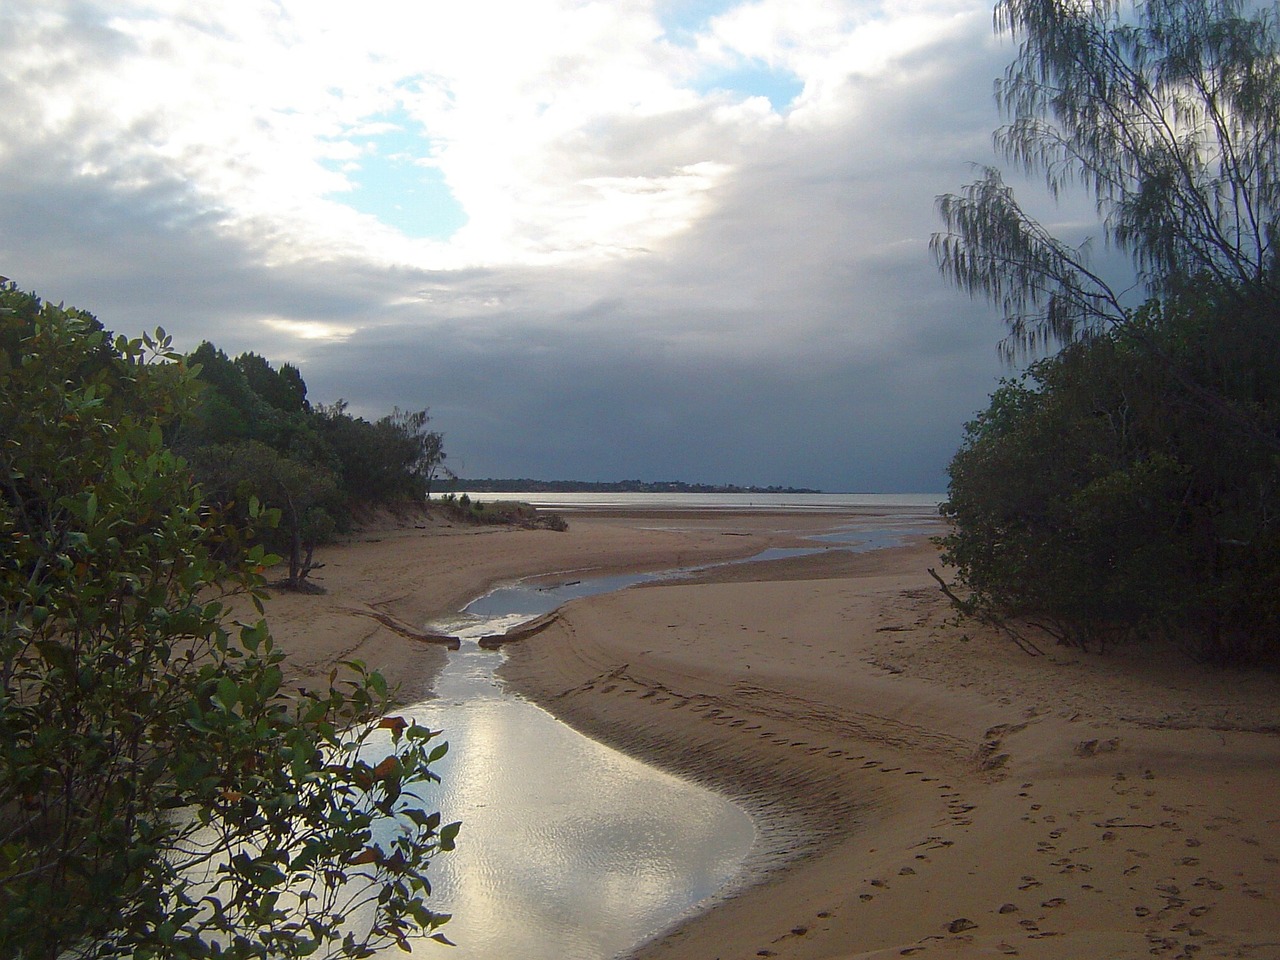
(569,850)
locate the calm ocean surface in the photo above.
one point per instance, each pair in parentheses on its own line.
(815,502)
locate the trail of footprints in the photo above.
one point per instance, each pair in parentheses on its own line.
(957,811)
(1172,895)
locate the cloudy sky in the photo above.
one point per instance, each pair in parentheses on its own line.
(656,239)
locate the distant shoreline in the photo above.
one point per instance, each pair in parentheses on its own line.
(525,485)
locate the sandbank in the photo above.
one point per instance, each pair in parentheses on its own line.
(922,789)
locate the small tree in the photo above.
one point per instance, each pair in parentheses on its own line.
(306,496)
(393,458)
(161,795)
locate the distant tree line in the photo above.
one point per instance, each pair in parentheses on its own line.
(616,486)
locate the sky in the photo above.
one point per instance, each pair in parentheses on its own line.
(622,239)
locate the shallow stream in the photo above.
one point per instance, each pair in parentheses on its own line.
(569,850)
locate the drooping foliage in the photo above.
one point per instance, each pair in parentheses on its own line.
(161,793)
(1165,111)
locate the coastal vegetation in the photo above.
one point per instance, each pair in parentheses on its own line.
(507,513)
(1129,486)
(252,432)
(162,793)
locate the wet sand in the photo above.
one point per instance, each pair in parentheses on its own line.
(923,789)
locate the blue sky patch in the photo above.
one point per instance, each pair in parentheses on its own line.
(754,79)
(391,184)
(683,20)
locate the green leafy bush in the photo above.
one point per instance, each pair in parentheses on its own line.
(1112,493)
(161,793)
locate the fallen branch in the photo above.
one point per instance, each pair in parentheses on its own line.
(520,632)
(969,609)
(404,630)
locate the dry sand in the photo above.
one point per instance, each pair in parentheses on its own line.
(922,789)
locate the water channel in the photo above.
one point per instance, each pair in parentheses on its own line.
(569,850)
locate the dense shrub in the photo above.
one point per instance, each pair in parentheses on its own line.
(163,793)
(1113,492)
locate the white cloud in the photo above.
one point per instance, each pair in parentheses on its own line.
(187,163)
(253,103)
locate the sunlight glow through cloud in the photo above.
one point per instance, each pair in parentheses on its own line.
(310,330)
(476,126)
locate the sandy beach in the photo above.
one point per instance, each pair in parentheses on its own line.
(921,788)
